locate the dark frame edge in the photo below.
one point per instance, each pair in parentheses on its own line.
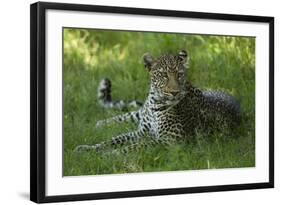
(153,12)
(271,101)
(37,102)
(156,192)
(33,103)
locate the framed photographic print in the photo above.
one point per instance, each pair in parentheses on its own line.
(129,102)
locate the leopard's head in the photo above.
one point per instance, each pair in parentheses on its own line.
(168,75)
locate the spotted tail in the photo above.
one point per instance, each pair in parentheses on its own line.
(105,98)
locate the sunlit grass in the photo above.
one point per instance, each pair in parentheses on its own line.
(216,62)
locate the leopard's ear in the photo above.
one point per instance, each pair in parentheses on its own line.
(148,60)
(183,56)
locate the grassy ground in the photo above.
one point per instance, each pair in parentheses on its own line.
(217,62)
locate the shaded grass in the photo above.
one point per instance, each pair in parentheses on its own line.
(217,62)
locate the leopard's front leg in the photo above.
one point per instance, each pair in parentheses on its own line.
(115,142)
(165,141)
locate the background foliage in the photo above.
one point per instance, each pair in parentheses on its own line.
(216,62)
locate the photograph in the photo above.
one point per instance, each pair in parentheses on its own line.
(139,101)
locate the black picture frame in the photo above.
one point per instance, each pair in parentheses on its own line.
(38,100)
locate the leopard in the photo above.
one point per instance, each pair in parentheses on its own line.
(175,110)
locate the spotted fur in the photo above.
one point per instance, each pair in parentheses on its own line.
(173,111)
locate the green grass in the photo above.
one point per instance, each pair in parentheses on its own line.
(216,62)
